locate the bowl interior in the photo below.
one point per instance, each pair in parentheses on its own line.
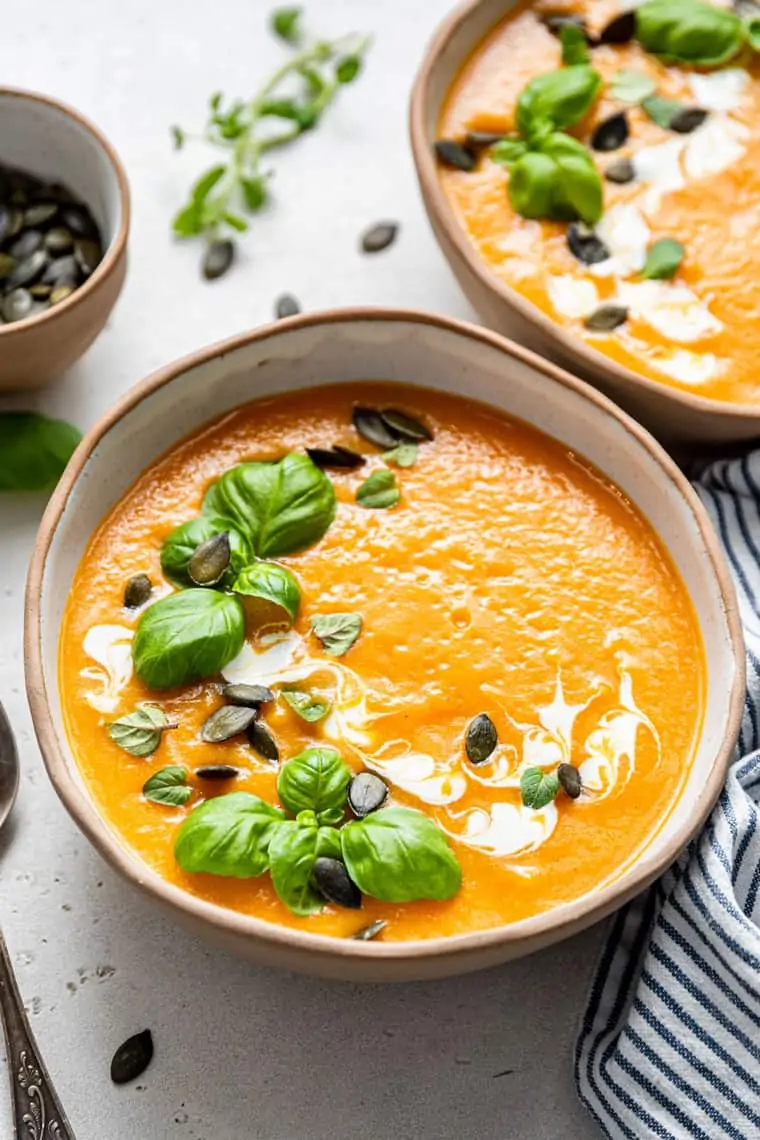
(440,355)
(44,139)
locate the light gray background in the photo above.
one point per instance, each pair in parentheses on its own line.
(245,1054)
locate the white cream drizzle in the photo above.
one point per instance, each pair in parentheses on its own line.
(673,310)
(110,646)
(571,296)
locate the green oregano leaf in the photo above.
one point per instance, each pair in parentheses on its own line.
(348,69)
(285,23)
(139,733)
(661,111)
(337,632)
(405,455)
(538,788)
(574,45)
(379,491)
(663,259)
(169,786)
(630,86)
(308,706)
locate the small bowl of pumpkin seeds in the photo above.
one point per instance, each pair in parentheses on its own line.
(64,219)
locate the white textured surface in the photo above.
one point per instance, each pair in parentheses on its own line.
(245,1054)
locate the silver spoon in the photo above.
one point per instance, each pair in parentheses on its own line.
(37,1112)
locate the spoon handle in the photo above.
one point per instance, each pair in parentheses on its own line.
(37,1112)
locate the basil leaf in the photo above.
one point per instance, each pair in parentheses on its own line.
(661,111)
(139,733)
(663,259)
(531,185)
(285,23)
(631,86)
(507,151)
(254,192)
(316,780)
(337,632)
(292,855)
(272,583)
(169,786)
(179,547)
(379,491)
(752,32)
(574,45)
(558,98)
(229,836)
(689,31)
(328,838)
(538,788)
(308,707)
(347,70)
(399,855)
(405,455)
(577,188)
(281,507)
(186,637)
(34,450)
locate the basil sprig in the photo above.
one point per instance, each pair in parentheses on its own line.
(317,780)
(557,100)
(34,449)
(186,637)
(689,31)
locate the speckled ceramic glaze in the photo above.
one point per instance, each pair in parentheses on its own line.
(399,346)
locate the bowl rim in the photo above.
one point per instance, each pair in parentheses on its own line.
(117,245)
(439,206)
(548,926)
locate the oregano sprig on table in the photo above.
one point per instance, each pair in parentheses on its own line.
(290,102)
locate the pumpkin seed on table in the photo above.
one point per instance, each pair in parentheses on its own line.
(379,237)
(367,933)
(286,306)
(334,883)
(217,772)
(606,318)
(456,155)
(137,591)
(480,739)
(250,696)
(218,258)
(585,244)
(210,561)
(226,723)
(611,133)
(570,780)
(620,171)
(262,741)
(132,1058)
(366,793)
(340,457)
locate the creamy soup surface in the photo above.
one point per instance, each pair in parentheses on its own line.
(511,580)
(698,331)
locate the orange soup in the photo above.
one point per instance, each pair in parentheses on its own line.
(470,692)
(657,266)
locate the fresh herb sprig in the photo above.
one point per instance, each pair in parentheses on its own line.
(290,102)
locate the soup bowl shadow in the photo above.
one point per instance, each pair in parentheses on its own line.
(434,352)
(673,415)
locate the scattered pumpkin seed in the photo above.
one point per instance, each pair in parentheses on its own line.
(218,258)
(217,772)
(366,793)
(606,318)
(570,780)
(132,1058)
(611,132)
(286,306)
(17,305)
(621,30)
(210,561)
(585,244)
(686,121)
(137,591)
(341,457)
(480,739)
(334,884)
(379,237)
(620,171)
(262,741)
(456,155)
(405,426)
(227,722)
(250,696)
(367,933)
(372,427)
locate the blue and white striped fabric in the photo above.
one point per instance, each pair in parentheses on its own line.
(670,1043)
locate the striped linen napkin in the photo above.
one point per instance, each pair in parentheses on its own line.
(669,1046)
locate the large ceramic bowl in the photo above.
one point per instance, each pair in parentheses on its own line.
(670,413)
(342,346)
(46,138)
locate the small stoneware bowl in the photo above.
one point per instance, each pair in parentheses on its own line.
(340,347)
(46,138)
(671,414)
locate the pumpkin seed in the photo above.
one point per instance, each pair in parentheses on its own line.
(58,240)
(210,561)
(262,741)
(620,171)
(481,739)
(611,133)
(341,457)
(570,780)
(132,1058)
(621,30)
(366,793)
(379,237)
(60,293)
(41,292)
(137,591)
(217,772)
(16,223)
(62,271)
(250,696)
(372,427)
(17,305)
(334,883)
(29,270)
(227,722)
(585,244)
(405,426)
(217,260)
(606,318)
(456,155)
(367,933)
(88,255)
(286,306)
(6,264)
(479,140)
(5,222)
(27,243)
(686,121)
(79,220)
(556,21)
(40,214)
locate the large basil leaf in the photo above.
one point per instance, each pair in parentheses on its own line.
(229,835)
(531,185)
(559,180)
(34,450)
(317,780)
(399,855)
(557,99)
(282,507)
(689,31)
(270,582)
(292,854)
(186,637)
(181,544)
